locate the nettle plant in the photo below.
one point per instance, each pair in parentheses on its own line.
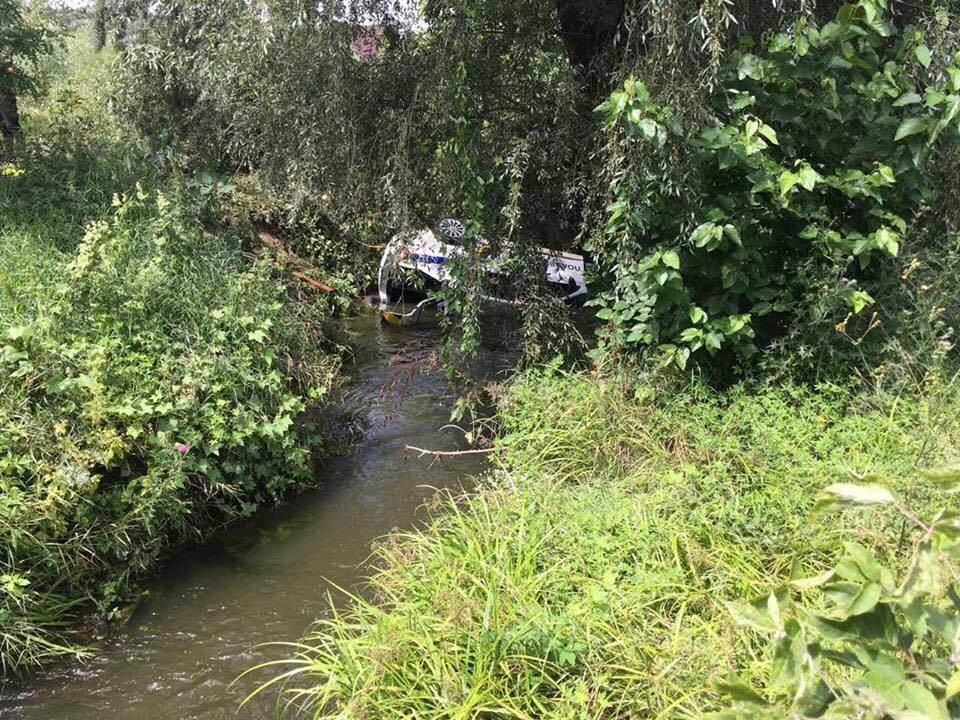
(719,237)
(876,647)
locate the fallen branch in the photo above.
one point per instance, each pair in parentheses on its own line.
(448,453)
(288,258)
(311,282)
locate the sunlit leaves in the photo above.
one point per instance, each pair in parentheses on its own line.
(910,126)
(840,495)
(885,649)
(815,160)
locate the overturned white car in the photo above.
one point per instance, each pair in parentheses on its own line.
(426,257)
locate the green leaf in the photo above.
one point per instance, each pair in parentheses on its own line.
(706,234)
(923,702)
(851,598)
(953,686)
(859,300)
(787,180)
(769,133)
(840,495)
(888,241)
(671,259)
(886,172)
(754,615)
(947,476)
(908,98)
(910,126)
(19,332)
(808,177)
(750,67)
(732,233)
(697,314)
(859,565)
(739,691)
(808,583)
(923,55)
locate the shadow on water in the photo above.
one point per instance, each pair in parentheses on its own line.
(266,579)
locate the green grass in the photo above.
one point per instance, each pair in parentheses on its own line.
(585,578)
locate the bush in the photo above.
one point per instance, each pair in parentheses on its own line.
(153,381)
(780,219)
(586,577)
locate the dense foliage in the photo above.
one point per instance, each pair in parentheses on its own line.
(798,203)
(781,199)
(586,577)
(23,44)
(759,186)
(343,149)
(154,380)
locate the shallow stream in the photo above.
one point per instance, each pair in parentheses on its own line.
(267,579)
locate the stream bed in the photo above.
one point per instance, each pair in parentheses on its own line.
(268,578)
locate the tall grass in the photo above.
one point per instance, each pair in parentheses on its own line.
(586,577)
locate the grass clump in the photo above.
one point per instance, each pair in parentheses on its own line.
(587,577)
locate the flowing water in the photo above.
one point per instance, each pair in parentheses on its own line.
(267,579)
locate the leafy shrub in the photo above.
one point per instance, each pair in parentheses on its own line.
(152,381)
(782,214)
(879,647)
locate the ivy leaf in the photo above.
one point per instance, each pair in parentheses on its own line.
(697,315)
(671,259)
(910,126)
(923,55)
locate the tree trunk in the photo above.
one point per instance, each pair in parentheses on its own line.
(9,117)
(588,29)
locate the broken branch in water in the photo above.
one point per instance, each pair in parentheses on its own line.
(448,453)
